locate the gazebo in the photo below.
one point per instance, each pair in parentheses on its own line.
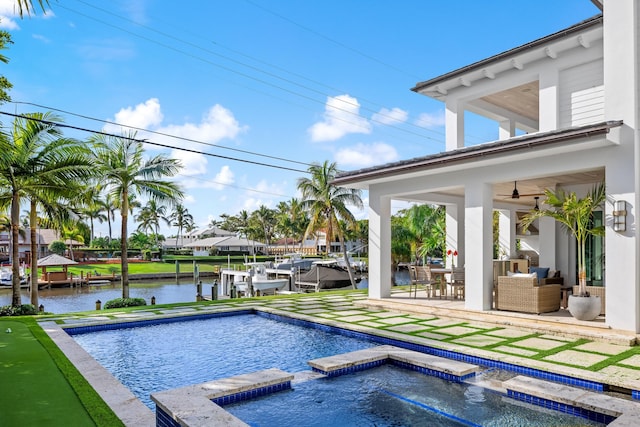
(55,260)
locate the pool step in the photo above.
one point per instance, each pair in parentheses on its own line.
(340,364)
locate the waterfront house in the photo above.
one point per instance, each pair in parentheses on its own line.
(567,107)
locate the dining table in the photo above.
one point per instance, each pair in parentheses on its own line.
(438,275)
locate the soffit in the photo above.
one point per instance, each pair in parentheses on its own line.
(522,100)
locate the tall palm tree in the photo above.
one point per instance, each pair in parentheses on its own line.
(180,218)
(264,220)
(150,216)
(37,163)
(120,162)
(92,208)
(109,206)
(327,204)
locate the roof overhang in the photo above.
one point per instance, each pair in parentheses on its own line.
(581,35)
(560,140)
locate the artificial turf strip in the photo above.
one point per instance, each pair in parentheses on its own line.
(40,385)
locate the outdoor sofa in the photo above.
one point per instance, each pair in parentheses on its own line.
(523,294)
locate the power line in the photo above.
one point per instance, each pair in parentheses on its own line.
(245,75)
(160,133)
(145,141)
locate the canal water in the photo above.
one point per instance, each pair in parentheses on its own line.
(67,300)
(166,291)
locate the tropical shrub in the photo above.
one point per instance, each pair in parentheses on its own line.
(21,310)
(125,302)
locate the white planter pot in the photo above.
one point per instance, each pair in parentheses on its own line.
(585,308)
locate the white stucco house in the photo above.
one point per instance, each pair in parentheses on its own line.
(568,109)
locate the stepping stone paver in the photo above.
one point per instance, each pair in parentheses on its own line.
(328,315)
(349,312)
(631,361)
(478,340)
(538,343)
(458,330)
(557,338)
(601,347)
(386,314)
(395,320)
(373,324)
(516,351)
(356,318)
(509,333)
(433,336)
(442,322)
(409,327)
(577,358)
(313,311)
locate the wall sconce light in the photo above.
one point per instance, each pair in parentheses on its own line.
(620,215)
(536,207)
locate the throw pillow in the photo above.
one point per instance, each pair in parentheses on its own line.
(541,272)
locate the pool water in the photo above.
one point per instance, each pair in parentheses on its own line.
(392,396)
(169,355)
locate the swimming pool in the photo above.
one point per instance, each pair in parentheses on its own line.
(170,353)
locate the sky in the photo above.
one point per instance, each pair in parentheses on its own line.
(248,93)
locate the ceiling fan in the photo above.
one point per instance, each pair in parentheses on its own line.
(515,194)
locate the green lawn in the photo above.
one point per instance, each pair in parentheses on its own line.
(40,387)
(134,268)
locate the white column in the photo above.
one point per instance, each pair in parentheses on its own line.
(452,229)
(379,246)
(547,243)
(478,246)
(454,125)
(507,233)
(507,129)
(622,86)
(548,104)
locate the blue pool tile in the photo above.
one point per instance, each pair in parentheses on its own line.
(561,407)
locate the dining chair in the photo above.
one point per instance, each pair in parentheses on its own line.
(421,276)
(457,282)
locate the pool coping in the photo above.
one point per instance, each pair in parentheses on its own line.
(133,412)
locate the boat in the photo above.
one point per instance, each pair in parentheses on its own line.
(294,261)
(255,281)
(6,276)
(359,266)
(323,275)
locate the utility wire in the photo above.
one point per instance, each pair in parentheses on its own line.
(160,133)
(145,141)
(248,76)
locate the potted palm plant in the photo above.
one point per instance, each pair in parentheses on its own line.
(575,215)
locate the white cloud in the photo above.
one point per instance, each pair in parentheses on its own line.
(9,11)
(223,178)
(144,115)
(8,24)
(192,163)
(363,155)
(431,120)
(217,124)
(341,117)
(390,117)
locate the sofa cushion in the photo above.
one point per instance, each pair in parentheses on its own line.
(541,272)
